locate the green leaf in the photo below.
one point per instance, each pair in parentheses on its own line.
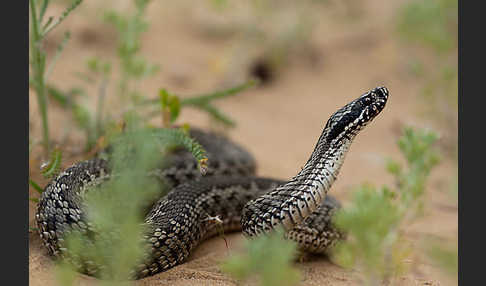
(65,99)
(49,21)
(54,164)
(35,186)
(217,115)
(206,98)
(170,103)
(167,139)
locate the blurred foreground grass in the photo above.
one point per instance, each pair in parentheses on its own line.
(268,258)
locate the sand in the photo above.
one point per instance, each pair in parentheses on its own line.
(279,123)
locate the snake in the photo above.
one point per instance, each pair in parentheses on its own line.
(230,191)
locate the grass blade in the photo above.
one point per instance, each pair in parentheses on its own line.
(206,98)
(54,164)
(43,10)
(35,186)
(59,50)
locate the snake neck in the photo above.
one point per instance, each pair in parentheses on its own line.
(289,204)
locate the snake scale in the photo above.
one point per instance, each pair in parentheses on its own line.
(229,190)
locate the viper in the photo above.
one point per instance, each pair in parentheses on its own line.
(229,191)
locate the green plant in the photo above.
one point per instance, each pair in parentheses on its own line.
(133,66)
(370,224)
(433,25)
(49,169)
(416,147)
(133,69)
(108,210)
(115,209)
(267,257)
(430,27)
(37,188)
(376,217)
(37,57)
(168,106)
(171,104)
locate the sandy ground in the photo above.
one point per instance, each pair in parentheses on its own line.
(278,123)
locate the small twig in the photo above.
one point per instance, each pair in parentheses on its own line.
(36,186)
(219,225)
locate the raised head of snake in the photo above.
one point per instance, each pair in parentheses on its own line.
(289,204)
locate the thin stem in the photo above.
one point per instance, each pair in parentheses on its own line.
(59,50)
(38,66)
(62,17)
(43,10)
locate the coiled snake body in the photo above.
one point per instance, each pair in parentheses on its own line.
(229,191)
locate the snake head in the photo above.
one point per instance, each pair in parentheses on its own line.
(373,102)
(354,116)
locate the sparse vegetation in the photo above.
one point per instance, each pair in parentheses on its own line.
(373,222)
(428,30)
(115,209)
(375,219)
(37,57)
(268,259)
(432,26)
(134,68)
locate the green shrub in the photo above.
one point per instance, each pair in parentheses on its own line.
(115,208)
(375,218)
(268,258)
